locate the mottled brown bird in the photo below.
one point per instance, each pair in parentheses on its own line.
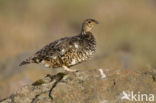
(67,51)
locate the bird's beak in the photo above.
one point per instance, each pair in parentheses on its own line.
(96,22)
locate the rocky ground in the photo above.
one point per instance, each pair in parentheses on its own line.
(106,83)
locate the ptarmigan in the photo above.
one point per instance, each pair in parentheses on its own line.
(67,51)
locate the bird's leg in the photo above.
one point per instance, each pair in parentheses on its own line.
(69,70)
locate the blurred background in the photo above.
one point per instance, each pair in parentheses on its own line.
(127,30)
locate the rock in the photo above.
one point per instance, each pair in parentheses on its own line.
(88,86)
(36,92)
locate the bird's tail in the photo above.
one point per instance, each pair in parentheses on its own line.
(27,61)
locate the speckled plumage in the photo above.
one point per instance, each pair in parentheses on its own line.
(67,51)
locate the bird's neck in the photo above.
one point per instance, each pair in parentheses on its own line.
(84,32)
(86,35)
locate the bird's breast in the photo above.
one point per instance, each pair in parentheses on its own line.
(80,49)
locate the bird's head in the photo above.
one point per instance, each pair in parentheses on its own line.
(88,25)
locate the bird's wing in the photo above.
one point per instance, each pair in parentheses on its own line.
(57,48)
(60,48)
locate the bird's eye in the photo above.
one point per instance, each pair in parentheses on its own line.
(89,22)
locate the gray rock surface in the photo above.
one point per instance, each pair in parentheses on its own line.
(88,86)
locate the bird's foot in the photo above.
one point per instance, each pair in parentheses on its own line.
(69,70)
